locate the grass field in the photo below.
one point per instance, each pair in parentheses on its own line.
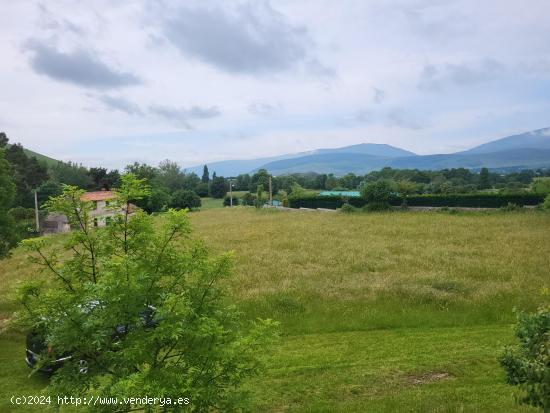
(379,312)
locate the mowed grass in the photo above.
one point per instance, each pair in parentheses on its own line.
(398,311)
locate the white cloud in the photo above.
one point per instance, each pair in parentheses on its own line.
(212,79)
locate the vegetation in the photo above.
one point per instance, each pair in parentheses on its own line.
(480,200)
(379,312)
(377,194)
(527,364)
(218,187)
(182,199)
(7,224)
(142,308)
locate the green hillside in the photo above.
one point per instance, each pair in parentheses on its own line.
(42,158)
(380,312)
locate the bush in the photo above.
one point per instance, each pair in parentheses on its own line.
(20,213)
(541,185)
(227,201)
(202,190)
(527,364)
(218,187)
(347,208)
(378,192)
(185,199)
(248,199)
(546,203)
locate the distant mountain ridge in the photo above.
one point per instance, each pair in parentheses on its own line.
(239,166)
(520,151)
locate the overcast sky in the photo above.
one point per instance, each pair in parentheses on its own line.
(108,83)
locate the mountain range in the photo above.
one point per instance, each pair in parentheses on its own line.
(522,151)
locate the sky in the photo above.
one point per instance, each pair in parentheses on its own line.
(110,83)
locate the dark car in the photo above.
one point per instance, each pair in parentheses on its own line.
(37,348)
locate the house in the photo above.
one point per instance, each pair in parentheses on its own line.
(55,223)
(101,214)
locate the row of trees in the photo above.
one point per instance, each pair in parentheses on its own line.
(446,181)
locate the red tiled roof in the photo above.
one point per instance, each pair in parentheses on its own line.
(98,196)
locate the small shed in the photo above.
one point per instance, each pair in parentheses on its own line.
(55,223)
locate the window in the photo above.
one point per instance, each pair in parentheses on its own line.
(108,220)
(95,204)
(95,222)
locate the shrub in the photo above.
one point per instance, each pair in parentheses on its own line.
(227,201)
(527,364)
(248,199)
(20,213)
(546,203)
(185,199)
(541,185)
(377,192)
(218,187)
(347,208)
(258,203)
(202,190)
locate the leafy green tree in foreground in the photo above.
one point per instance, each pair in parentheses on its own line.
(96,304)
(527,365)
(7,194)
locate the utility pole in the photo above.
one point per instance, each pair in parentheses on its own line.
(36,210)
(270,193)
(230,193)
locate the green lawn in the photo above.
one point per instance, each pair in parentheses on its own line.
(400,311)
(209,203)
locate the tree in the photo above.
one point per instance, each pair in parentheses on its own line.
(112,179)
(407,188)
(3,140)
(484,182)
(158,200)
(71,174)
(170,176)
(142,171)
(377,194)
(296,190)
(7,194)
(262,178)
(191,181)
(218,187)
(28,174)
(185,199)
(541,185)
(202,189)
(205,175)
(527,364)
(142,306)
(260,192)
(97,175)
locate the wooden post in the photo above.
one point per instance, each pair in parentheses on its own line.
(36,210)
